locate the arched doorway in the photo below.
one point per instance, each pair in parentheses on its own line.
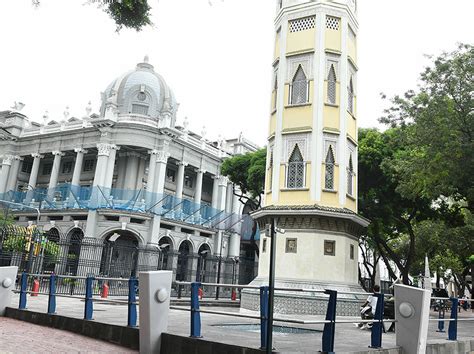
(183,271)
(120,255)
(166,248)
(51,250)
(74,239)
(202,267)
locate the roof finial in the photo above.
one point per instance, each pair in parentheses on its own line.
(146,59)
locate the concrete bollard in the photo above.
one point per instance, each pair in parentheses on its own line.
(7,284)
(155,290)
(412,312)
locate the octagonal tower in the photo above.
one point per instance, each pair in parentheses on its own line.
(311,178)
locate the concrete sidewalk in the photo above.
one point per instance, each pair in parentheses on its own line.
(215,327)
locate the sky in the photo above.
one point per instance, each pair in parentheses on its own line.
(216,55)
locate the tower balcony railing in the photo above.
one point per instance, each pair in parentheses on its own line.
(67,196)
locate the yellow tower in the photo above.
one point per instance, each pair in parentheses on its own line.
(311,179)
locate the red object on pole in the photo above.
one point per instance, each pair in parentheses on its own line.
(200,293)
(233,295)
(36,286)
(105,291)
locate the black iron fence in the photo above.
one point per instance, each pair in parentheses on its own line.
(82,256)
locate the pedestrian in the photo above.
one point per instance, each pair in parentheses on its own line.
(368,308)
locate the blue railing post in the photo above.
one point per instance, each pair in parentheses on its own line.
(263,316)
(330,328)
(453,325)
(52,295)
(132,299)
(89,307)
(195,314)
(376,336)
(23,286)
(441,319)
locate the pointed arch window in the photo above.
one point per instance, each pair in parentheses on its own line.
(332,85)
(350,97)
(295,177)
(275,90)
(270,171)
(329,174)
(350,177)
(299,87)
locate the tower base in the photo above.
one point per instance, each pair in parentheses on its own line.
(305,303)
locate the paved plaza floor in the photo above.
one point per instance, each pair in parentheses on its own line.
(215,327)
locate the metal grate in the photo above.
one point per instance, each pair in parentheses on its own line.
(299,87)
(329,176)
(332,85)
(332,23)
(302,24)
(350,97)
(295,178)
(140,109)
(350,174)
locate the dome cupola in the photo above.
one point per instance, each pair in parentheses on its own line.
(140,93)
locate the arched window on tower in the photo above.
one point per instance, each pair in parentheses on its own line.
(332,85)
(350,177)
(329,174)
(295,177)
(275,91)
(141,102)
(299,87)
(270,171)
(350,97)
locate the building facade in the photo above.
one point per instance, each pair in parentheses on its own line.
(128,177)
(311,179)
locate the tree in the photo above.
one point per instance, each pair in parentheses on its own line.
(134,14)
(440,119)
(248,172)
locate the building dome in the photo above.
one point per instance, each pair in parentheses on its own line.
(140,92)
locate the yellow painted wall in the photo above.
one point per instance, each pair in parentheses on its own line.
(351,126)
(300,41)
(273,101)
(297,117)
(333,39)
(272,124)
(276,54)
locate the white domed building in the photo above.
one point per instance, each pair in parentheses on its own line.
(126,188)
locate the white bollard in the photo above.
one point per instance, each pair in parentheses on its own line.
(412,312)
(155,291)
(7,284)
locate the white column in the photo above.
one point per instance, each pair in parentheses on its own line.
(236,204)
(131,172)
(180,179)
(121,170)
(76,175)
(53,179)
(34,170)
(140,173)
(103,152)
(198,192)
(215,192)
(222,193)
(109,175)
(6,165)
(229,197)
(13,176)
(151,171)
(159,187)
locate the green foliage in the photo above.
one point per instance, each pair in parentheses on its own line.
(440,123)
(133,14)
(248,172)
(19,243)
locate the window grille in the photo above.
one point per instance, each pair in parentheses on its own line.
(350,175)
(88,165)
(350,97)
(140,109)
(302,24)
(329,176)
(295,178)
(332,23)
(299,87)
(275,90)
(67,167)
(26,166)
(47,168)
(332,85)
(270,170)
